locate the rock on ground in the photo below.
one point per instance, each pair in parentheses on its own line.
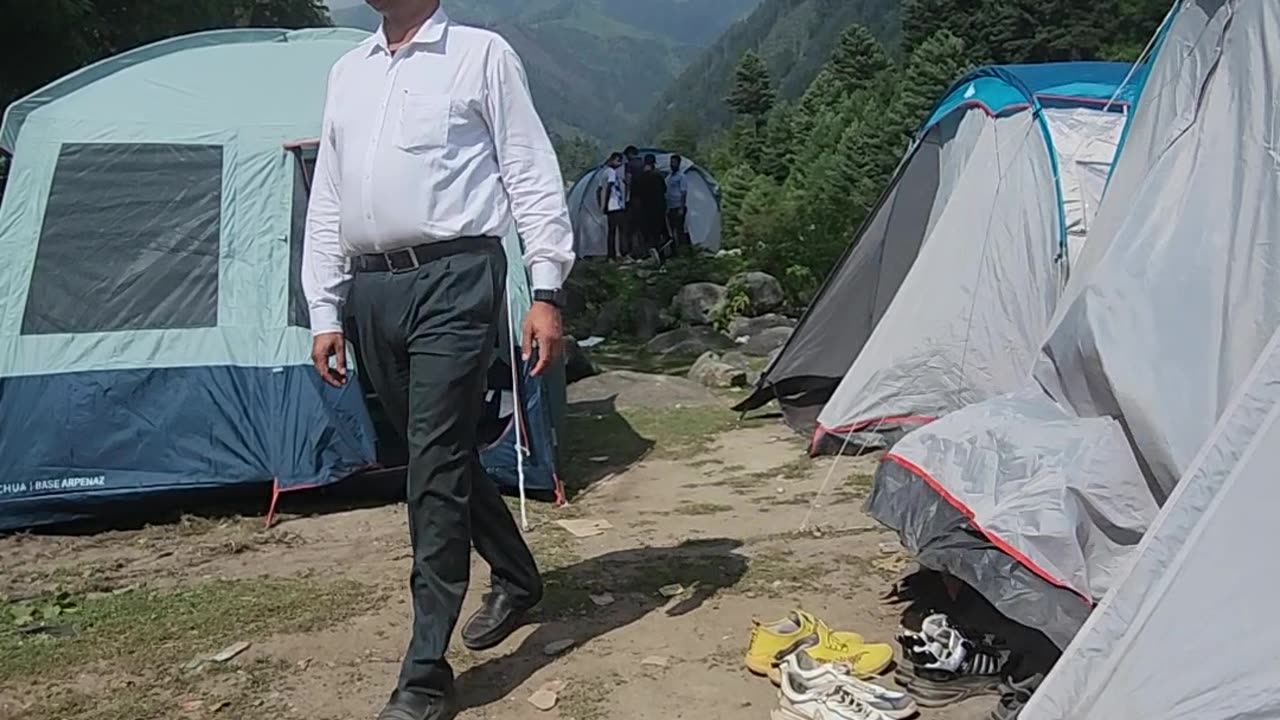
(629,389)
(746,327)
(711,371)
(578,365)
(696,304)
(691,341)
(765,343)
(641,318)
(763,289)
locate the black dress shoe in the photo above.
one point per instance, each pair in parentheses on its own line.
(417,706)
(498,617)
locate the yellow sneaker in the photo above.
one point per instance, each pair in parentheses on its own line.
(771,642)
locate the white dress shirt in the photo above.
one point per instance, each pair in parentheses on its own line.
(437,141)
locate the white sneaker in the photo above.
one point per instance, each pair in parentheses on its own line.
(830,677)
(798,700)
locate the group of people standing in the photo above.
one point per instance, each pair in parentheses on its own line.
(645,208)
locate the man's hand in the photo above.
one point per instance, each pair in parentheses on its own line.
(542,327)
(326,346)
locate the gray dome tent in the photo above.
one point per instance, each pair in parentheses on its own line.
(590,231)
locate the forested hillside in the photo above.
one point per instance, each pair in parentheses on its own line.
(595,66)
(798,177)
(793,37)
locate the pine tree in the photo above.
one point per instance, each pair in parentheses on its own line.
(735,185)
(758,218)
(777,141)
(857,60)
(752,95)
(922,18)
(931,69)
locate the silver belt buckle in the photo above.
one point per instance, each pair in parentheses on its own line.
(413,260)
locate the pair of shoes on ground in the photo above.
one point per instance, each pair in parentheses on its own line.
(772,642)
(941,665)
(499,615)
(811,690)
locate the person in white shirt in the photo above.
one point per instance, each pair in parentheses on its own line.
(613,201)
(431,148)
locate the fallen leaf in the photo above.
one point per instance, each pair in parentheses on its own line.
(585,528)
(602,599)
(600,459)
(230,651)
(558,647)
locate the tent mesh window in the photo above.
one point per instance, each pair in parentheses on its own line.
(135,229)
(303,170)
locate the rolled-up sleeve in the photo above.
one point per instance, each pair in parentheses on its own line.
(325,272)
(530,171)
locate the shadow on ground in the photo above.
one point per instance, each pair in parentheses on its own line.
(633,577)
(598,442)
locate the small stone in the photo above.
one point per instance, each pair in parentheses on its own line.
(231,651)
(750,594)
(890,548)
(544,698)
(602,599)
(219,705)
(656,661)
(817,532)
(304,664)
(191,706)
(672,590)
(557,647)
(777,584)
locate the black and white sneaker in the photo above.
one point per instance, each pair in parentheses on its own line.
(945,667)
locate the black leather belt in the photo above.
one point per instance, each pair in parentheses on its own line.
(411,258)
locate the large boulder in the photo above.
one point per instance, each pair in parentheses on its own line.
(711,371)
(691,341)
(765,343)
(763,289)
(697,304)
(746,327)
(627,389)
(578,365)
(641,318)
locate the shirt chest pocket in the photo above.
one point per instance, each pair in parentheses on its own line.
(423,121)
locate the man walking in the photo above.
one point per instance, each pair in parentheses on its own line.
(677,203)
(430,147)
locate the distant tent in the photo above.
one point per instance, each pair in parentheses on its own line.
(948,288)
(590,229)
(153,333)
(1137,466)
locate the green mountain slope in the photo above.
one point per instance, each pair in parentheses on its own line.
(595,66)
(794,37)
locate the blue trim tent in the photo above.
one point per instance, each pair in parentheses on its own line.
(990,205)
(153,333)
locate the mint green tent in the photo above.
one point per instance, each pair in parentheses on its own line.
(153,332)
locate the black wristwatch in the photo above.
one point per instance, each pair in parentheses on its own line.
(551,297)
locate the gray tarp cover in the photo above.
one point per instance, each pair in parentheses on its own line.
(1168,310)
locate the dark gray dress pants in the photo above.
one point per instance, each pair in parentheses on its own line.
(427,336)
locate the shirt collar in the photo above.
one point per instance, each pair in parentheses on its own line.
(431,32)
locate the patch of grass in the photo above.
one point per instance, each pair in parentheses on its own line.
(702,509)
(685,432)
(634,357)
(142,631)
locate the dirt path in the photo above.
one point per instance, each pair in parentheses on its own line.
(323,599)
